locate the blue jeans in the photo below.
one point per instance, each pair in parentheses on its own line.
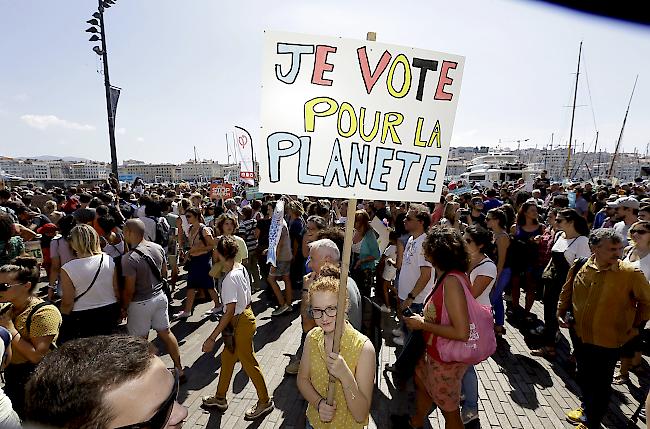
(496,297)
(470,391)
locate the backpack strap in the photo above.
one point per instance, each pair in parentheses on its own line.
(101,262)
(30,316)
(151,263)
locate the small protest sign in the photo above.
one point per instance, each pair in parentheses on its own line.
(355,119)
(218,191)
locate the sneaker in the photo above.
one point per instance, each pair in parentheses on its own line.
(220,404)
(214,310)
(293,367)
(399,341)
(397,332)
(281,310)
(384,309)
(577,417)
(184,315)
(259,410)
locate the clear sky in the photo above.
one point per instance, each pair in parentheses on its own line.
(191,70)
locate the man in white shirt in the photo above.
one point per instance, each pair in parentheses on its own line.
(416,274)
(627,212)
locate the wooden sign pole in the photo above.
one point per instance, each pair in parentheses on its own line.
(343,285)
(343,290)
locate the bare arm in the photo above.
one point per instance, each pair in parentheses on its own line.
(129,290)
(400,255)
(480,284)
(223,322)
(503,243)
(33,349)
(357,388)
(68,292)
(303,381)
(55,269)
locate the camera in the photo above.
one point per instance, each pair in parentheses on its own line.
(407,312)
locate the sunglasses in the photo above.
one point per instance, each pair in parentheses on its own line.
(5,286)
(160,419)
(638,231)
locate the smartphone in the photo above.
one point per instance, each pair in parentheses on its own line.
(407,312)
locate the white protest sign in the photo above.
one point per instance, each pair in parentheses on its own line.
(382,233)
(355,119)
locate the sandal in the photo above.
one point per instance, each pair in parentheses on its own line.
(545,352)
(621,379)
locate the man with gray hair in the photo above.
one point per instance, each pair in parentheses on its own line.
(605,300)
(322,252)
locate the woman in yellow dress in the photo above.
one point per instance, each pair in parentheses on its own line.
(353,367)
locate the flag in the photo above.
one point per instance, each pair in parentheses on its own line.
(114,96)
(244,148)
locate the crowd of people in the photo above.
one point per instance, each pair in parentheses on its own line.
(111,256)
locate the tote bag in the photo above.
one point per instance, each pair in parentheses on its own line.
(481,342)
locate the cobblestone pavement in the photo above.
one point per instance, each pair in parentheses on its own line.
(516,390)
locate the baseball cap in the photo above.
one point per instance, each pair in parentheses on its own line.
(48,228)
(628,202)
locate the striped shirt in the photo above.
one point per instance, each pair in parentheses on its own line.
(247,232)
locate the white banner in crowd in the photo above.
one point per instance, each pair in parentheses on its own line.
(244,145)
(355,119)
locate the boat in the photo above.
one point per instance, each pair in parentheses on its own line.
(498,167)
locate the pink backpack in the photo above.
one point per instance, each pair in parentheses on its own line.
(481,343)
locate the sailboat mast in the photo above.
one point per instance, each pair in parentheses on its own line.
(573,113)
(228,148)
(620,136)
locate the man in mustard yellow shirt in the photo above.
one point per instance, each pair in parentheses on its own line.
(608,299)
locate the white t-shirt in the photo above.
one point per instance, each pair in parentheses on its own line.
(622,228)
(410,272)
(390,271)
(643,264)
(236,288)
(82,271)
(484,268)
(573,248)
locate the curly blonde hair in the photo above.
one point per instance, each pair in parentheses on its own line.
(328,281)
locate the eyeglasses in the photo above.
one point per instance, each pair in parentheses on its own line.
(5,286)
(160,419)
(317,313)
(638,231)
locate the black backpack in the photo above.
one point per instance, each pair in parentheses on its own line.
(163,231)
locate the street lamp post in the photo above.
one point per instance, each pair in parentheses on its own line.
(99,15)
